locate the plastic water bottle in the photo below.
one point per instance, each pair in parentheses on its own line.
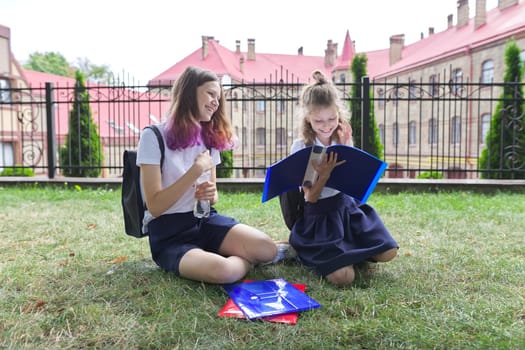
(201,209)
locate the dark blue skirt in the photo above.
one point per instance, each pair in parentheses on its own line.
(339,231)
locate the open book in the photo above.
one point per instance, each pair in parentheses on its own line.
(269,298)
(230,309)
(357,177)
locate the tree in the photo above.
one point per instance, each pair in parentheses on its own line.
(50,62)
(94,73)
(373,144)
(81,155)
(56,63)
(505,140)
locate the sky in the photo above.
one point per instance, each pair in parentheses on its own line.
(139,40)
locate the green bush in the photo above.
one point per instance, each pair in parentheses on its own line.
(17,171)
(224,170)
(430,175)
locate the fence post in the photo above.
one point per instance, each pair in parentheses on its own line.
(51,138)
(365,113)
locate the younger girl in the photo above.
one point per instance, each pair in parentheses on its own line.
(336,231)
(214,249)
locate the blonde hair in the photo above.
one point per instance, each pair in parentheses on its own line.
(320,93)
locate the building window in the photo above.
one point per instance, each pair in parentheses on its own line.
(342,78)
(235,101)
(118,129)
(280,137)
(433,86)
(381,98)
(260,137)
(5,90)
(280,106)
(432,132)
(456,81)
(395,95)
(487,72)
(244,137)
(7,158)
(260,105)
(455,132)
(485,126)
(412,89)
(412,133)
(382,133)
(395,134)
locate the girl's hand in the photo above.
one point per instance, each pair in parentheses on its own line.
(327,164)
(204,161)
(345,133)
(206,191)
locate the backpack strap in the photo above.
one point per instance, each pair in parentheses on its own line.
(161,142)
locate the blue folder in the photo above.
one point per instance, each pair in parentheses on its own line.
(357,177)
(269,298)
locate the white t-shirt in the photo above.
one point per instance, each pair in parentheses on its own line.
(176,164)
(299,144)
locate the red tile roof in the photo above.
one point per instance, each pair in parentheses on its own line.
(499,24)
(266,67)
(297,68)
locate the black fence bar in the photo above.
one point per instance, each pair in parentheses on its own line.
(50,134)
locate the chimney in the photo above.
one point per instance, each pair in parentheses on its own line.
(430,31)
(397,42)
(251,49)
(463,12)
(503,4)
(241,64)
(449,21)
(330,53)
(237,46)
(481,13)
(204,50)
(421,36)
(300,51)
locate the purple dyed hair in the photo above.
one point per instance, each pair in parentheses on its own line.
(182,129)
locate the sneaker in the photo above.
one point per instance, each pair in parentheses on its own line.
(284,252)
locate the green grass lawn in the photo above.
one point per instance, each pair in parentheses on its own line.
(71,278)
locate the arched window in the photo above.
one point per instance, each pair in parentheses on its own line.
(432,132)
(235,101)
(487,72)
(456,81)
(382,133)
(433,86)
(381,98)
(412,135)
(395,134)
(280,137)
(412,89)
(260,137)
(260,106)
(244,137)
(455,132)
(485,126)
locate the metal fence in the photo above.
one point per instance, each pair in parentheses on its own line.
(424,128)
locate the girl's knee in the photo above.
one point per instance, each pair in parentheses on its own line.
(343,276)
(386,256)
(230,270)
